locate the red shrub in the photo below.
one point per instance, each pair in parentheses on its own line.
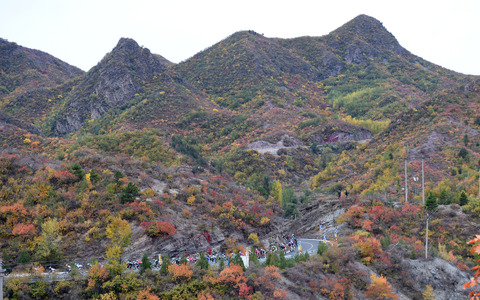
(159,229)
(24,229)
(411,211)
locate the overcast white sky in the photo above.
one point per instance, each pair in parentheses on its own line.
(82,32)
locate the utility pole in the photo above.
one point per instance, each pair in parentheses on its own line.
(406,185)
(2,270)
(423,185)
(426,237)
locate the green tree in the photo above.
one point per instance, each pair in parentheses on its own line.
(413,254)
(431,203)
(183,259)
(129,193)
(321,248)
(444,197)
(77,171)
(463,199)
(314,148)
(237,260)
(463,153)
(5,256)
(94,178)
(221,264)
(385,241)
(166,262)
(477,120)
(253,258)
(24,257)
(118,175)
(272,259)
(145,264)
(282,261)
(202,263)
(306,256)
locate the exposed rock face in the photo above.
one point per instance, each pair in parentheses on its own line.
(112,83)
(446,280)
(285,142)
(340,132)
(359,52)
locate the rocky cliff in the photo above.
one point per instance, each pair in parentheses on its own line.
(112,83)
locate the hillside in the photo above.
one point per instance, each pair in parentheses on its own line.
(23,69)
(244,142)
(110,84)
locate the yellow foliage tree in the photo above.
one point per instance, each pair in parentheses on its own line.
(119,233)
(277,191)
(254,238)
(264,221)
(191,200)
(428,293)
(48,243)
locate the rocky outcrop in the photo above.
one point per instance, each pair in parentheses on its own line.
(340,132)
(446,279)
(110,84)
(286,142)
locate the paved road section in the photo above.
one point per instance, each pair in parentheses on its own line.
(305,245)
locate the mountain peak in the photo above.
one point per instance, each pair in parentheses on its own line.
(371,31)
(366,19)
(361,38)
(110,84)
(127,43)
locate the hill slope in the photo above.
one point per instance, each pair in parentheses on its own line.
(23,69)
(225,149)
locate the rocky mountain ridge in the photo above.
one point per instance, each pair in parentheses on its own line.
(110,84)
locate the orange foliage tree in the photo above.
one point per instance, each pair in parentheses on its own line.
(354,216)
(475,280)
(232,276)
(24,230)
(380,289)
(334,289)
(180,272)
(232,279)
(147,295)
(370,248)
(267,280)
(97,276)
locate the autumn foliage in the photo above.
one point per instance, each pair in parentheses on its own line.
(380,289)
(181,272)
(475,280)
(159,229)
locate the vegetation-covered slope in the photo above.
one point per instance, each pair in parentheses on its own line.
(23,69)
(223,150)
